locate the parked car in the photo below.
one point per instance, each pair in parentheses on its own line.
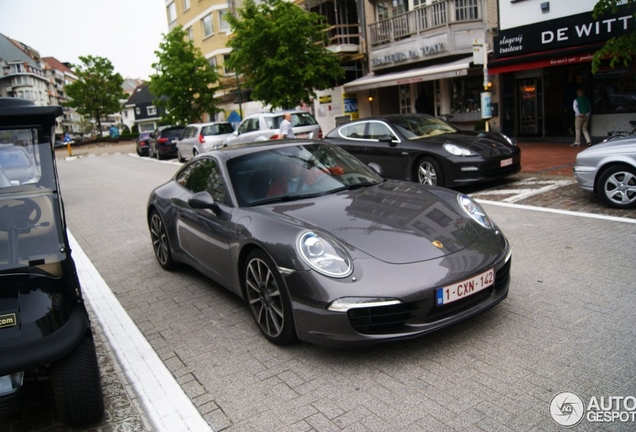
(17,164)
(609,170)
(426,149)
(142,143)
(45,330)
(343,257)
(201,137)
(265,126)
(163,144)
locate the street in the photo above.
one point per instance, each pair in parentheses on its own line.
(566,326)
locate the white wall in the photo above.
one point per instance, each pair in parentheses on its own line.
(529,11)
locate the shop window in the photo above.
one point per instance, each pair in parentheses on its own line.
(466,94)
(614,91)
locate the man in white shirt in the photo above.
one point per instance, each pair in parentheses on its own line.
(286,130)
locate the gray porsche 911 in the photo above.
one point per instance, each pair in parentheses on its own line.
(324,250)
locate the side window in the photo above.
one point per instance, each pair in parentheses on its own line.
(353,131)
(243,126)
(377,129)
(204,175)
(253,124)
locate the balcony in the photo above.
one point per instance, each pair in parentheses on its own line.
(437,15)
(344,38)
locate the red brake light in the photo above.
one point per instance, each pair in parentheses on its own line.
(201,139)
(319,133)
(162,140)
(273,137)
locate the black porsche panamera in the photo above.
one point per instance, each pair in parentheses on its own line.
(426,149)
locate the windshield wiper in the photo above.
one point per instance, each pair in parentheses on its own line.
(285,198)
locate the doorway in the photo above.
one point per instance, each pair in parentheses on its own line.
(530,95)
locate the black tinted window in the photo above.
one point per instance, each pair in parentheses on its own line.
(172,133)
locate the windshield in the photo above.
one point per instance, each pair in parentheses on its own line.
(295,172)
(421,126)
(30,222)
(217,129)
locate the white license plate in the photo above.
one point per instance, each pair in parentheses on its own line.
(302,136)
(463,289)
(506,162)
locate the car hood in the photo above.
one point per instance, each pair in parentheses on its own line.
(394,222)
(483,143)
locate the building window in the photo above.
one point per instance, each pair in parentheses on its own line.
(224,26)
(208,28)
(151,110)
(466,94)
(212,63)
(613,91)
(138,111)
(172,12)
(466,10)
(186,5)
(227,70)
(191,33)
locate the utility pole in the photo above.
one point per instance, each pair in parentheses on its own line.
(480,56)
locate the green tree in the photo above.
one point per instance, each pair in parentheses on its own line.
(620,49)
(98,89)
(184,82)
(280,50)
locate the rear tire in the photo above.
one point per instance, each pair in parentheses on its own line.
(77,388)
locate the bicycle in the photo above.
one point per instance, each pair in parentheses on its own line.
(612,135)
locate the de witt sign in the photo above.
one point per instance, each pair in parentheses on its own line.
(576,30)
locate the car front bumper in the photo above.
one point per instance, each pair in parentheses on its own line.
(416,313)
(585,176)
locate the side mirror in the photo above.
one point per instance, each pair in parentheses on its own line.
(375,167)
(203,200)
(387,139)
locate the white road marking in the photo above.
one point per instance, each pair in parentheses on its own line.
(163,399)
(522,193)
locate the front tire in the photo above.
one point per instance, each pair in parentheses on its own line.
(77,387)
(179,157)
(268,299)
(429,172)
(617,186)
(160,242)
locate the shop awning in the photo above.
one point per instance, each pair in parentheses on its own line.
(444,70)
(579,54)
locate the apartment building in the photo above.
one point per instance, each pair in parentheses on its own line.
(23,73)
(204,22)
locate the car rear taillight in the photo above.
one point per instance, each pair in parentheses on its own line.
(273,137)
(201,139)
(319,133)
(162,140)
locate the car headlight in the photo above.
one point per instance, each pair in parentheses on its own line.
(475,211)
(456,150)
(511,142)
(325,256)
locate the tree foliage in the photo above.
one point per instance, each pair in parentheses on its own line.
(98,90)
(618,50)
(280,50)
(184,83)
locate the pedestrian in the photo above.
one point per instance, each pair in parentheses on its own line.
(421,103)
(286,130)
(582,111)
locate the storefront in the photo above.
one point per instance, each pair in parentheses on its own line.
(540,66)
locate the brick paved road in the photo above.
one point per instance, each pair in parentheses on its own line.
(566,326)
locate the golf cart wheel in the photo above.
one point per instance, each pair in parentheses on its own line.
(77,387)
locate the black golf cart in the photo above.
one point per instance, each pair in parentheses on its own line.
(45,332)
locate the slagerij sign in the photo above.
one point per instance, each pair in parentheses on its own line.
(575,30)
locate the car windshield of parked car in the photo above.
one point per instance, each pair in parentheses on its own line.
(421,126)
(298,119)
(30,229)
(296,172)
(172,133)
(217,129)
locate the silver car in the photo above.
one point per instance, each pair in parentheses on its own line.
(202,137)
(265,126)
(609,170)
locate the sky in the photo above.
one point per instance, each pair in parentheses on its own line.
(126,32)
